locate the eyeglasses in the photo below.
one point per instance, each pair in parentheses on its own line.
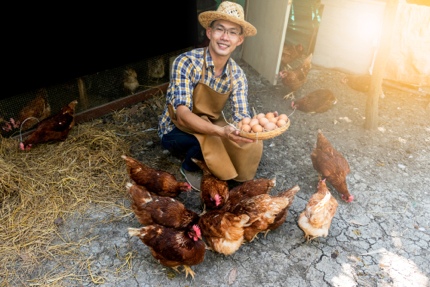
(220,30)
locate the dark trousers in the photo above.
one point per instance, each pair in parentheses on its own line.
(183,144)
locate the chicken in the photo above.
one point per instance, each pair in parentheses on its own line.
(318,101)
(223,231)
(281,217)
(332,165)
(150,208)
(130,81)
(53,128)
(262,210)
(291,53)
(8,126)
(295,78)
(248,188)
(156,68)
(316,219)
(157,181)
(172,247)
(214,192)
(359,83)
(35,111)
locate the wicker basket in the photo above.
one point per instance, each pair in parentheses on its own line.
(266,135)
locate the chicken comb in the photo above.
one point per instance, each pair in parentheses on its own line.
(197,230)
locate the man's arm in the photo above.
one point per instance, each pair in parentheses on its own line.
(186,118)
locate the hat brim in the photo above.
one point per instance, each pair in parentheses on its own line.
(206,18)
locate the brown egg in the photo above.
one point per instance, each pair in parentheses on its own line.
(281,123)
(246,128)
(260,115)
(246,120)
(270,115)
(273,120)
(283,116)
(263,121)
(270,126)
(253,122)
(257,128)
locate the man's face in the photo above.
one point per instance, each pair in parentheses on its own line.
(224,37)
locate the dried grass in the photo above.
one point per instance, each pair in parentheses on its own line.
(48,184)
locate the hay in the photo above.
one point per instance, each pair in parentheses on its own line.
(42,187)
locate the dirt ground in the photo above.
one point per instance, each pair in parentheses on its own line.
(382,238)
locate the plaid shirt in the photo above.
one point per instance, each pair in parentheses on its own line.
(187,72)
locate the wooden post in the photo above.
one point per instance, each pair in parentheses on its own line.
(375,89)
(83,97)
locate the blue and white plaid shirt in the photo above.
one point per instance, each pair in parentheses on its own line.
(187,72)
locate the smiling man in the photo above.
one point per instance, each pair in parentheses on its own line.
(202,82)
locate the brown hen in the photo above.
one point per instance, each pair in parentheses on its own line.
(172,247)
(35,111)
(150,208)
(281,217)
(332,165)
(262,211)
(358,82)
(223,231)
(315,220)
(130,81)
(53,128)
(248,188)
(318,101)
(157,181)
(290,53)
(214,192)
(295,78)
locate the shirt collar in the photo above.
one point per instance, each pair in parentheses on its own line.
(210,63)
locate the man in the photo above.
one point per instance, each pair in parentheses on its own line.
(202,81)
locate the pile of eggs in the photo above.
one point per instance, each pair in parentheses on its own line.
(262,122)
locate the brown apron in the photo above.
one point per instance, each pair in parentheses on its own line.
(225,158)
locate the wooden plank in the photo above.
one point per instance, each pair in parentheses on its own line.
(110,107)
(263,51)
(121,103)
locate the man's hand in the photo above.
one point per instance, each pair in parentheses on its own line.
(233,134)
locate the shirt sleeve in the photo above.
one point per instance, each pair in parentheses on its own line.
(182,82)
(239,96)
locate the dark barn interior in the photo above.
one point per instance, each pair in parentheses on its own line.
(79,52)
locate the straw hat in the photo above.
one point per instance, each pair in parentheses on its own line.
(228,11)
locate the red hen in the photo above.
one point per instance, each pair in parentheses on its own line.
(332,165)
(318,101)
(214,192)
(53,128)
(172,247)
(150,208)
(157,181)
(249,188)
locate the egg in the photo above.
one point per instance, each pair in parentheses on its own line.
(253,122)
(283,116)
(273,120)
(281,123)
(246,128)
(270,115)
(257,128)
(263,121)
(246,120)
(270,126)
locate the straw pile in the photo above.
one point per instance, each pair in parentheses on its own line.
(40,188)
